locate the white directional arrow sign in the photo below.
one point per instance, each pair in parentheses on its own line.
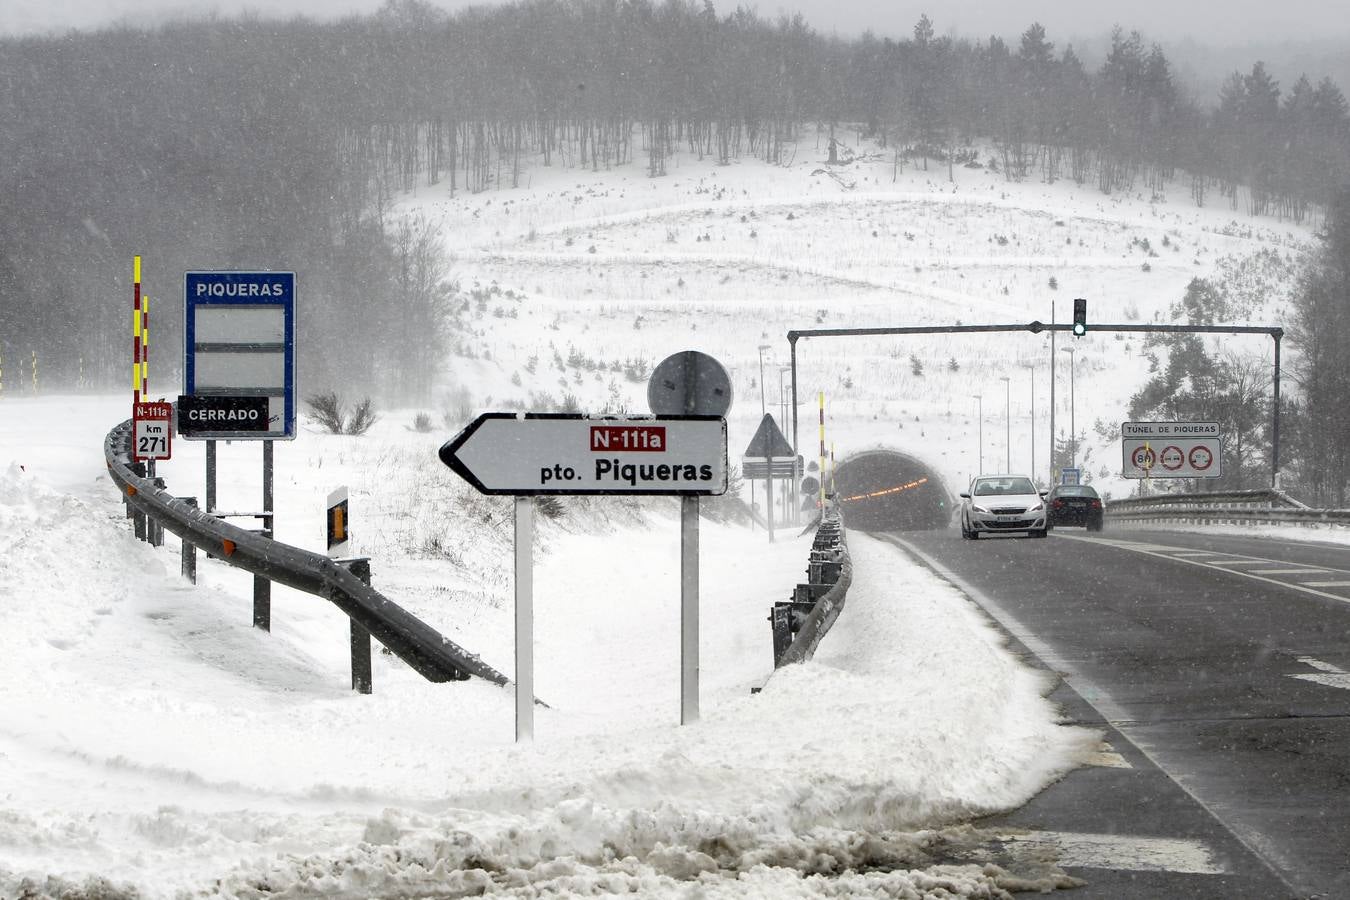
(536,453)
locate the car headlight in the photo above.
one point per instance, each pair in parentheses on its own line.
(1037,508)
(979,509)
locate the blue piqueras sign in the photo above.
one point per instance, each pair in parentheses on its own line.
(239,353)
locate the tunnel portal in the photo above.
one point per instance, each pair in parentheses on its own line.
(885,490)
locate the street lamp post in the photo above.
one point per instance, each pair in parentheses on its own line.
(762,348)
(1007,423)
(1031,368)
(979,439)
(1073,433)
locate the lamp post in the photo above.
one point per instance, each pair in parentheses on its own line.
(1073,434)
(1007,422)
(979,438)
(782,396)
(1031,369)
(762,348)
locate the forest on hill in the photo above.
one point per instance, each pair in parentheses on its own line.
(256,143)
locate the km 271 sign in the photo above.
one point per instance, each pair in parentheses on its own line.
(502,453)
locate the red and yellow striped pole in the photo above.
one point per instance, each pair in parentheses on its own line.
(145,347)
(822,452)
(136,330)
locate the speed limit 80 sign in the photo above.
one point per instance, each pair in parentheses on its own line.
(151,434)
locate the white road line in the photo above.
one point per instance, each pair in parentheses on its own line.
(1301,570)
(1152,550)
(1330,675)
(1123,852)
(1326,583)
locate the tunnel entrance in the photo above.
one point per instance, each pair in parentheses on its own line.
(885,490)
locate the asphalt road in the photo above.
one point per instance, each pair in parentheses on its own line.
(1220,669)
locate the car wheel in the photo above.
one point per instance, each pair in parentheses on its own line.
(1040,534)
(1095,526)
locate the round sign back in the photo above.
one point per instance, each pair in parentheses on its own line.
(689,383)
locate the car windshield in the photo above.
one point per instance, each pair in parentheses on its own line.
(1003,486)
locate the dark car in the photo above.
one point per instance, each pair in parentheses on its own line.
(1074,504)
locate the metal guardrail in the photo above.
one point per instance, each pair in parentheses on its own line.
(799,624)
(1224,507)
(423,648)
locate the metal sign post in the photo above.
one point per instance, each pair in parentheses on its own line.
(693,384)
(524,540)
(689,661)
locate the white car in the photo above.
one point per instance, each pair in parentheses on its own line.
(996,504)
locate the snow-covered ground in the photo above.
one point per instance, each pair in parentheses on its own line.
(150,737)
(153,738)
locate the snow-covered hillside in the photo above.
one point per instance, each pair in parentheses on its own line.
(579,273)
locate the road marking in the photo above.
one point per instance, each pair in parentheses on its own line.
(1152,550)
(1123,851)
(1326,583)
(1239,562)
(1330,675)
(1106,757)
(1301,570)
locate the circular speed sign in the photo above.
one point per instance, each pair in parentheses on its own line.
(1143,458)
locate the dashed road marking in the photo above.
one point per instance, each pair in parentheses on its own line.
(1326,583)
(1329,675)
(1123,851)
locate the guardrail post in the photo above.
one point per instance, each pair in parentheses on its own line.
(362,681)
(138,519)
(153,526)
(780,620)
(262,591)
(190,550)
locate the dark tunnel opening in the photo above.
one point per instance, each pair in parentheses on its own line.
(885,490)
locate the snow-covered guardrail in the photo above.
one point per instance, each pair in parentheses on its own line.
(423,648)
(799,624)
(1266,507)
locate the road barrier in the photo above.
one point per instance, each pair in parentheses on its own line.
(347,587)
(799,624)
(1264,507)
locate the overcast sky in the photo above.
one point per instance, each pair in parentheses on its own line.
(1214,22)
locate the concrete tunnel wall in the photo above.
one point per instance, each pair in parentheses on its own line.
(885,490)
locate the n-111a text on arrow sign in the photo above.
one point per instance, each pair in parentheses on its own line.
(539,453)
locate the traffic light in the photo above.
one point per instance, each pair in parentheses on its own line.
(1079,317)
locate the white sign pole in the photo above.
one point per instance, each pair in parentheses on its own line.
(688,610)
(524,619)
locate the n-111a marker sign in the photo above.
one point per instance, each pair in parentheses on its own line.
(151,431)
(502,453)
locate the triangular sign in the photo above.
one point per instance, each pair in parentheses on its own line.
(769,442)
